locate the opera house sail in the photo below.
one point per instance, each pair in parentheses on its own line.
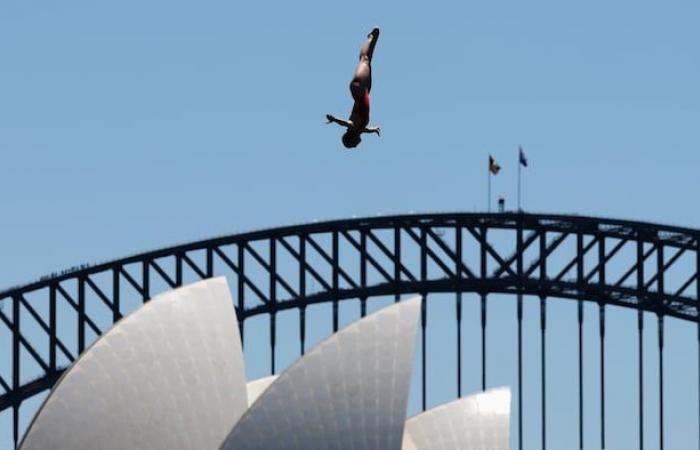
(168,376)
(475,422)
(350,391)
(171,376)
(256,387)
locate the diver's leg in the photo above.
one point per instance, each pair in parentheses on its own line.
(367,48)
(360,85)
(361,82)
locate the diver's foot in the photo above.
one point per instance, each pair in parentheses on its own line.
(374,33)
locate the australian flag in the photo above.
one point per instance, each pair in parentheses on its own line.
(522,157)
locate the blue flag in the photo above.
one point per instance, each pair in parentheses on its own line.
(523,159)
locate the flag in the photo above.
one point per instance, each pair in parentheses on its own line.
(493,166)
(522,158)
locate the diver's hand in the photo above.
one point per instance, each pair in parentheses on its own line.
(341,122)
(377,130)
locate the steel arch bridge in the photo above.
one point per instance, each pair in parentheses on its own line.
(643,266)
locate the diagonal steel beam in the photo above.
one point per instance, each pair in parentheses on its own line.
(162,273)
(389,254)
(139,289)
(26,344)
(4,384)
(307,266)
(273,273)
(193,266)
(514,257)
(686,285)
(576,258)
(491,251)
(607,258)
(75,307)
(329,260)
(448,251)
(428,251)
(635,267)
(665,267)
(45,327)
(551,246)
(100,294)
(246,280)
(368,257)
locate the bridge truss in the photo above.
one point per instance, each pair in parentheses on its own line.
(642,266)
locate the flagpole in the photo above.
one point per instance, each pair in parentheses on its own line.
(489,195)
(519,179)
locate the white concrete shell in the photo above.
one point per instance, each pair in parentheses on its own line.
(168,376)
(477,422)
(257,387)
(349,392)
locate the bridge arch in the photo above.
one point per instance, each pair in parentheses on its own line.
(642,266)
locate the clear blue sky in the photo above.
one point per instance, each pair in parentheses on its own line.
(131,125)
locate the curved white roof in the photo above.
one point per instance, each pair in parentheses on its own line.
(348,392)
(258,386)
(168,376)
(477,422)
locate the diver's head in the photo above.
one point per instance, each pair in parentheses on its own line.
(351,139)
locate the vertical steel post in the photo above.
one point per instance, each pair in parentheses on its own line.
(661,381)
(579,279)
(52,327)
(273,302)
(601,326)
(519,268)
(483,342)
(302,328)
(397,260)
(484,275)
(15,423)
(273,333)
(81,314)
(335,271)
(146,280)
(601,323)
(543,371)
(543,327)
(116,296)
(210,262)
(15,364)
(302,293)
(363,271)
(424,309)
(424,350)
(458,271)
(640,330)
(241,291)
(178,269)
(660,287)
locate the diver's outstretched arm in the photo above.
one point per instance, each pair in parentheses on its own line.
(376,130)
(341,122)
(367,48)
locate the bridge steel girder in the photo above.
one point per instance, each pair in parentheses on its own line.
(358,259)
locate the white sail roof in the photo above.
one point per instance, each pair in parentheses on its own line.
(476,422)
(257,387)
(168,376)
(348,392)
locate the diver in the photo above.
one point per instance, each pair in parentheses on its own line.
(360,87)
